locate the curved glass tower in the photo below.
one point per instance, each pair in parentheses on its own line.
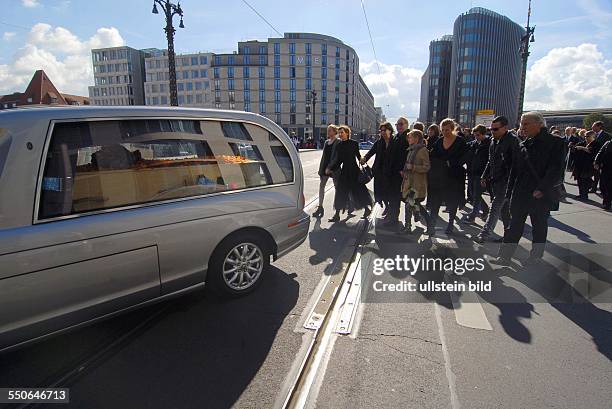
(485,66)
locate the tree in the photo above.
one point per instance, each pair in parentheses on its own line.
(597,116)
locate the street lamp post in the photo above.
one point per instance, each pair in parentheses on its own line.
(170,10)
(524,50)
(314,119)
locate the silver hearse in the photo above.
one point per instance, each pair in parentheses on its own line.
(103,209)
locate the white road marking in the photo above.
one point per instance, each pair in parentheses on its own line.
(450,376)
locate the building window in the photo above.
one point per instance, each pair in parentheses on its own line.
(262,107)
(189,86)
(263,49)
(217,60)
(262,60)
(246,72)
(292,84)
(277,83)
(230,60)
(216,72)
(277,96)
(276,48)
(277,108)
(276,59)
(276,72)
(198,85)
(247,59)
(262,72)
(230,84)
(292,72)
(230,72)
(262,83)
(292,119)
(292,95)
(308,48)
(262,95)
(308,72)
(180,86)
(291,48)
(203,60)
(323,49)
(308,84)
(247,84)
(246,49)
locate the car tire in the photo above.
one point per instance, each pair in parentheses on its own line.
(237,265)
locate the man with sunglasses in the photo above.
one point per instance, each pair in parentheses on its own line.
(502,150)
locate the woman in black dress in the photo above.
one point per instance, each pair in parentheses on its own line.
(381,149)
(349,192)
(447,175)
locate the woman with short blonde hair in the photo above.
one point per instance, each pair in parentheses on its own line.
(414,183)
(328,152)
(447,176)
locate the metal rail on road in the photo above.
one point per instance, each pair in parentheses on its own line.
(334,297)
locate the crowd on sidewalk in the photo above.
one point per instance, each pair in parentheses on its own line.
(522,170)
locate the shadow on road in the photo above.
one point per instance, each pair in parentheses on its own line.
(201,352)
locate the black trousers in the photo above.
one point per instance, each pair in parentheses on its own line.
(584,185)
(394,196)
(538,211)
(605,184)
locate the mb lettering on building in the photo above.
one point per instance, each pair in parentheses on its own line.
(477,68)
(275,78)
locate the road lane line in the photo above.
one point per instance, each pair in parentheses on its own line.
(450,376)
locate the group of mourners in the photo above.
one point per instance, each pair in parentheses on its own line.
(521,169)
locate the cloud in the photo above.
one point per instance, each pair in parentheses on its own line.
(8,36)
(65,58)
(397,86)
(570,78)
(30,3)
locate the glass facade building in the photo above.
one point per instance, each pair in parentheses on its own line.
(484,71)
(486,65)
(435,83)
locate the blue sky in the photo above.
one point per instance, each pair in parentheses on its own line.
(567,34)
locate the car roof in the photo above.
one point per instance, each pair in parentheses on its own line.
(30,115)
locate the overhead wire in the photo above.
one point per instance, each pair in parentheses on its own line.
(262,17)
(370,34)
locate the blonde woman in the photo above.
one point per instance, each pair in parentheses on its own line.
(328,152)
(414,184)
(447,176)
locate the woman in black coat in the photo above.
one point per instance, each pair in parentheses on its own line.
(382,150)
(447,175)
(350,194)
(329,148)
(582,166)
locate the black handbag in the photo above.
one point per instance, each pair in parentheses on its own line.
(365,175)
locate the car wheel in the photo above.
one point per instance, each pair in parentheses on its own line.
(238,265)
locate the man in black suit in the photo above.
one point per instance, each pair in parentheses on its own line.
(398,152)
(601,137)
(533,187)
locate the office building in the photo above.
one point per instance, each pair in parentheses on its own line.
(435,83)
(118,76)
(485,71)
(275,78)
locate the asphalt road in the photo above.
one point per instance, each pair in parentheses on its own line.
(430,351)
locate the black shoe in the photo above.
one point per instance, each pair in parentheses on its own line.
(500,261)
(468,219)
(481,238)
(336,218)
(484,216)
(405,230)
(319,212)
(449,229)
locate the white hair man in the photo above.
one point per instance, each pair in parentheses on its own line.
(533,187)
